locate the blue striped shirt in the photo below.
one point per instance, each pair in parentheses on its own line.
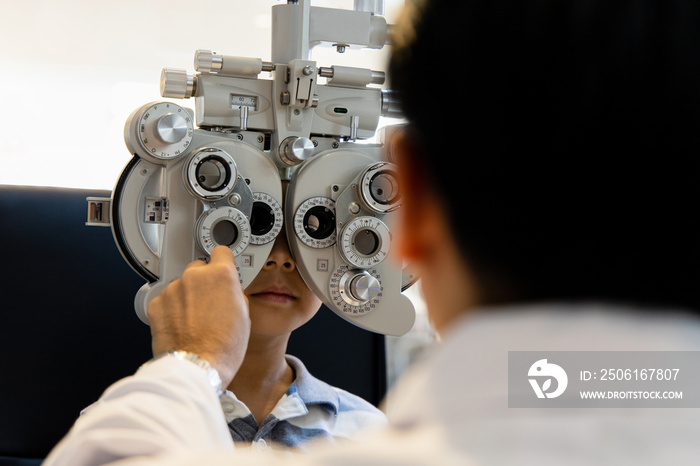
(310,410)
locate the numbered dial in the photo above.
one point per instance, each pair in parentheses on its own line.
(249,101)
(266,219)
(365,242)
(314,222)
(224,226)
(165,130)
(355,292)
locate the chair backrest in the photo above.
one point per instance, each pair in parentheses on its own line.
(68,328)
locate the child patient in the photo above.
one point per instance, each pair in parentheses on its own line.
(273,399)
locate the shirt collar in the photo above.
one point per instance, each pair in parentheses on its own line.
(311,390)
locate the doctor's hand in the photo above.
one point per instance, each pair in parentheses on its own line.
(204,312)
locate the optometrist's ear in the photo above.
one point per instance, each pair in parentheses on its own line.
(422,222)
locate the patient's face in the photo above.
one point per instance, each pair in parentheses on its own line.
(279,299)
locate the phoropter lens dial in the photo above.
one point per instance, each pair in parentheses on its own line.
(379,187)
(365,242)
(314,222)
(266,219)
(210,173)
(223,226)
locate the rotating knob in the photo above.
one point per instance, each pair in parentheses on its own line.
(294,150)
(171,128)
(162,130)
(363,287)
(207,61)
(359,287)
(177,84)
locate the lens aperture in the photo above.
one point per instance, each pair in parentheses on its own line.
(366,242)
(212,173)
(319,222)
(384,188)
(224,232)
(314,222)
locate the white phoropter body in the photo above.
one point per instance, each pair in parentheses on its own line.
(213,176)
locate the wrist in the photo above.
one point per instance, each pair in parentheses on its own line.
(212,374)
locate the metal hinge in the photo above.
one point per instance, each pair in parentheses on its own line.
(98,211)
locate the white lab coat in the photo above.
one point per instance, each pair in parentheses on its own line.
(450,408)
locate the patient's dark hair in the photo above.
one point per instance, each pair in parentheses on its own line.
(564,135)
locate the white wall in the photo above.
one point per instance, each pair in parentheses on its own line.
(72,71)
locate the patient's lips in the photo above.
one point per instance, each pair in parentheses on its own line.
(275,294)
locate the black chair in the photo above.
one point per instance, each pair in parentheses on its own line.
(68,328)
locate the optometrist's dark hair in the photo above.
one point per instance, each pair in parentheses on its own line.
(564,137)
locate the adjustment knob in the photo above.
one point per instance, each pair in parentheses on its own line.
(171,128)
(294,150)
(207,61)
(359,287)
(160,130)
(364,287)
(355,292)
(177,84)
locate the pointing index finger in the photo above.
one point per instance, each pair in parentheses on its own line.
(222,255)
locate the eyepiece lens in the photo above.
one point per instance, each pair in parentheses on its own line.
(224,233)
(366,242)
(384,188)
(319,222)
(262,219)
(212,173)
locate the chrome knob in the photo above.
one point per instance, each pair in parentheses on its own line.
(177,84)
(171,128)
(207,61)
(294,150)
(362,287)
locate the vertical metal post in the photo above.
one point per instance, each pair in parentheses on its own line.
(290,31)
(376,7)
